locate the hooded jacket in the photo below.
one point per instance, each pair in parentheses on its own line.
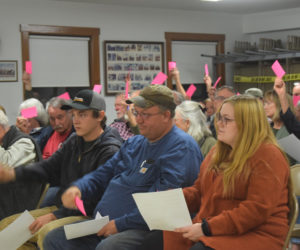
(70,163)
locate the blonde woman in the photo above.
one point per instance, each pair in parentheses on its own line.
(241,195)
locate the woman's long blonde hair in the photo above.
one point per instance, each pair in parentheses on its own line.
(253,130)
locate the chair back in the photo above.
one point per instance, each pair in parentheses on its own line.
(294,189)
(295,174)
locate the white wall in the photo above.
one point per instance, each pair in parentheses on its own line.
(271,21)
(115,23)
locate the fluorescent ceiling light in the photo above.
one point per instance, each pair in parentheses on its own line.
(211,0)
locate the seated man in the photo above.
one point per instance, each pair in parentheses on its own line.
(50,137)
(125,128)
(91,146)
(17,148)
(161,158)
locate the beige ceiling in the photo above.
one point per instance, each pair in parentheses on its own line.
(228,6)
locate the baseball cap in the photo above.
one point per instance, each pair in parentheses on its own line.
(256,92)
(86,99)
(154,95)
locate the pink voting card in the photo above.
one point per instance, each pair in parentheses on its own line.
(127,90)
(97,88)
(28,67)
(191,90)
(29,112)
(65,96)
(296,99)
(206,70)
(160,78)
(172,65)
(278,70)
(216,83)
(79,205)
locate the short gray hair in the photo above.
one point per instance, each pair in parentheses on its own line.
(190,110)
(3,120)
(56,102)
(42,116)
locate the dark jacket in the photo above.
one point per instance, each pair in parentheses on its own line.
(17,196)
(70,163)
(290,122)
(42,135)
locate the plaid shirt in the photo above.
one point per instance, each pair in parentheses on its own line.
(123,128)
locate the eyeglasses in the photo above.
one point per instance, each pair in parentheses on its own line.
(143,115)
(223,119)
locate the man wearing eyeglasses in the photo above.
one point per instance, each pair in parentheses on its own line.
(162,157)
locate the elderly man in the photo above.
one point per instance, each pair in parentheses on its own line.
(16,149)
(91,146)
(162,157)
(121,123)
(50,137)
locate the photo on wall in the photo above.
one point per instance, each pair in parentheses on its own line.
(141,60)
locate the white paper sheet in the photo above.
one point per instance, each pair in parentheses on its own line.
(165,210)
(85,228)
(291,145)
(17,233)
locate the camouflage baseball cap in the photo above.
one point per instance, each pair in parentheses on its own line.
(154,95)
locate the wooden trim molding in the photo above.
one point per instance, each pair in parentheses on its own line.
(47,30)
(196,37)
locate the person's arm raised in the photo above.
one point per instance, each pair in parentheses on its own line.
(280,89)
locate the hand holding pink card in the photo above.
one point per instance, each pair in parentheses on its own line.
(29,112)
(216,83)
(172,65)
(160,78)
(127,90)
(28,67)
(65,96)
(191,90)
(278,70)
(79,205)
(206,70)
(296,99)
(97,88)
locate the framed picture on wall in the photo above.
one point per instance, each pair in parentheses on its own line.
(8,71)
(139,60)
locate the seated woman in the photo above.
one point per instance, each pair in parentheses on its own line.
(272,108)
(31,125)
(190,118)
(241,195)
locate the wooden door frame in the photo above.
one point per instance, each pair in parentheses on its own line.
(196,37)
(48,30)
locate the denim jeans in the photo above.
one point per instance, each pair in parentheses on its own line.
(127,240)
(50,197)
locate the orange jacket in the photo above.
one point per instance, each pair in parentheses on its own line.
(256,216)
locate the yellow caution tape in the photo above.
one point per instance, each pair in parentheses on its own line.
(264,79)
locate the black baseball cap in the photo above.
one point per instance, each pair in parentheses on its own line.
(86,99)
